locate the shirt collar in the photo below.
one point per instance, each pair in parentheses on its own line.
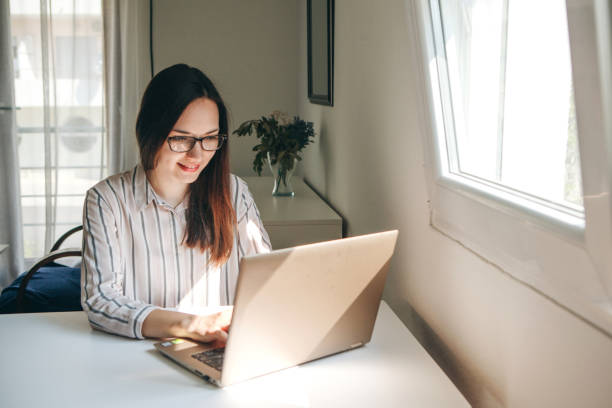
(144,194)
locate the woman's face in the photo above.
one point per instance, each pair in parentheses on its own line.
(200,118)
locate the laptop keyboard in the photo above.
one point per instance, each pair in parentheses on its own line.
(213,358)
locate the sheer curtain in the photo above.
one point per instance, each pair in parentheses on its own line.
(57,49)
(127,73)
(11,244)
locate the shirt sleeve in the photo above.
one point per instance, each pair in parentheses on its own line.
(101,284)
(252,236)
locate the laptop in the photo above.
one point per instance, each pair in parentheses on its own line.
(295,305)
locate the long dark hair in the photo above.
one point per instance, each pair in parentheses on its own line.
(210,215)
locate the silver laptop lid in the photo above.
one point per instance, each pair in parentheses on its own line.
(299,304)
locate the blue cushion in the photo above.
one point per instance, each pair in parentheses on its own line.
(53,288)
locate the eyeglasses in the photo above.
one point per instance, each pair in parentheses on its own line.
(182,144)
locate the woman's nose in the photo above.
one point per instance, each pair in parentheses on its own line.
(197,151)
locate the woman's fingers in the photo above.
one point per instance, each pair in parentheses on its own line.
(218,336)
(206,328)
(221,336)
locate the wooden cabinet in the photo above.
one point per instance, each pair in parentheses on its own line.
(291,221)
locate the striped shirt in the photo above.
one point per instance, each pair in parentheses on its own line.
(134,260)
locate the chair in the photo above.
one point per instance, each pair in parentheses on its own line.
(47,286)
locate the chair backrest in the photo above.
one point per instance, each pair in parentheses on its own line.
(67,234)
(59,282)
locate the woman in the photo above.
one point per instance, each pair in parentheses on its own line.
(162,242)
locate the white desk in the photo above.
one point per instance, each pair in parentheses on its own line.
(57,360)
(291,221)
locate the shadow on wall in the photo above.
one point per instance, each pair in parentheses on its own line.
(318,158)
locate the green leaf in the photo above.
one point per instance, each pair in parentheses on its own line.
(282,142)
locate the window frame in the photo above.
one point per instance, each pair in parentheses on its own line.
(558,253)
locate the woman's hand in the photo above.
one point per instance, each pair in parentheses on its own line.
(203,328)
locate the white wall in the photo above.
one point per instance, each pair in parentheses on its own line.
(501,342)
(247,48)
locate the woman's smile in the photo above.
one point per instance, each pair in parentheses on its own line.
(189,168)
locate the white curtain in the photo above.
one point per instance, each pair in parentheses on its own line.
(11,240)
(127,73)
(57,64)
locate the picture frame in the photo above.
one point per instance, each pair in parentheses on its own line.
(320,23)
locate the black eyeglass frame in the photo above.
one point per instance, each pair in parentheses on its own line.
(222,139)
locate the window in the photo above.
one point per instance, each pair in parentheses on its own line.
(508,100)
(59,92)
(514,89)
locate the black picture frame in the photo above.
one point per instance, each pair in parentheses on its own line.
(320,23)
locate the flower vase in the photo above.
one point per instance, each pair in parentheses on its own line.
(282,178)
